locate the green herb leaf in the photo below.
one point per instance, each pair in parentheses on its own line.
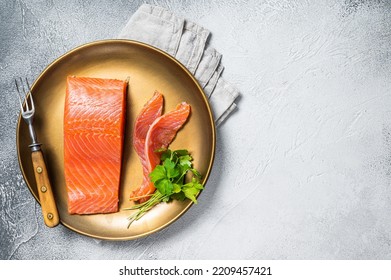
(171,168)
(196,173)
(176,188)
(185,161)
(182,152)
(179,196)
(165,153)
(192,189)
(158,173)
(164,186)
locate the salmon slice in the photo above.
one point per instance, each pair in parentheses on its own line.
(149,113)
(160,134)
(94,118)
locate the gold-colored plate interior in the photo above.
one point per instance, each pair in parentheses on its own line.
(149,69)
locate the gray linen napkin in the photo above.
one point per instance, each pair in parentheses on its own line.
(187,42)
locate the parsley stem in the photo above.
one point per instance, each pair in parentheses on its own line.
(144,207)
(180,179)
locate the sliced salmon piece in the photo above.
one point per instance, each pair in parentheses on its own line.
(94,118)
(149,113)
(160,134)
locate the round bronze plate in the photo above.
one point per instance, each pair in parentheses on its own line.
(149,69)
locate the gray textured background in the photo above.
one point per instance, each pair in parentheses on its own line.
(302,169)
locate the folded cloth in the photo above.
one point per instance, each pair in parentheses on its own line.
(187,42)
(155,26)
(207,67)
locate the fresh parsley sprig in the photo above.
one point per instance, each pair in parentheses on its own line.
(169,178)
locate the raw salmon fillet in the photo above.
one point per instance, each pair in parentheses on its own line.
(160,134)
(94,117)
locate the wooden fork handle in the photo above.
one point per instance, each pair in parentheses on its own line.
(46,197)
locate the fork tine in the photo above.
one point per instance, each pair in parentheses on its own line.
(29,94)
(20,100)
(24,94)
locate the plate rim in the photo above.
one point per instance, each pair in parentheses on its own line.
(200,89)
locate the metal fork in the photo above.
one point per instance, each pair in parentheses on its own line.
(46,197)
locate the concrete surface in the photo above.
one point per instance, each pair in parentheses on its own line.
(303,168)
